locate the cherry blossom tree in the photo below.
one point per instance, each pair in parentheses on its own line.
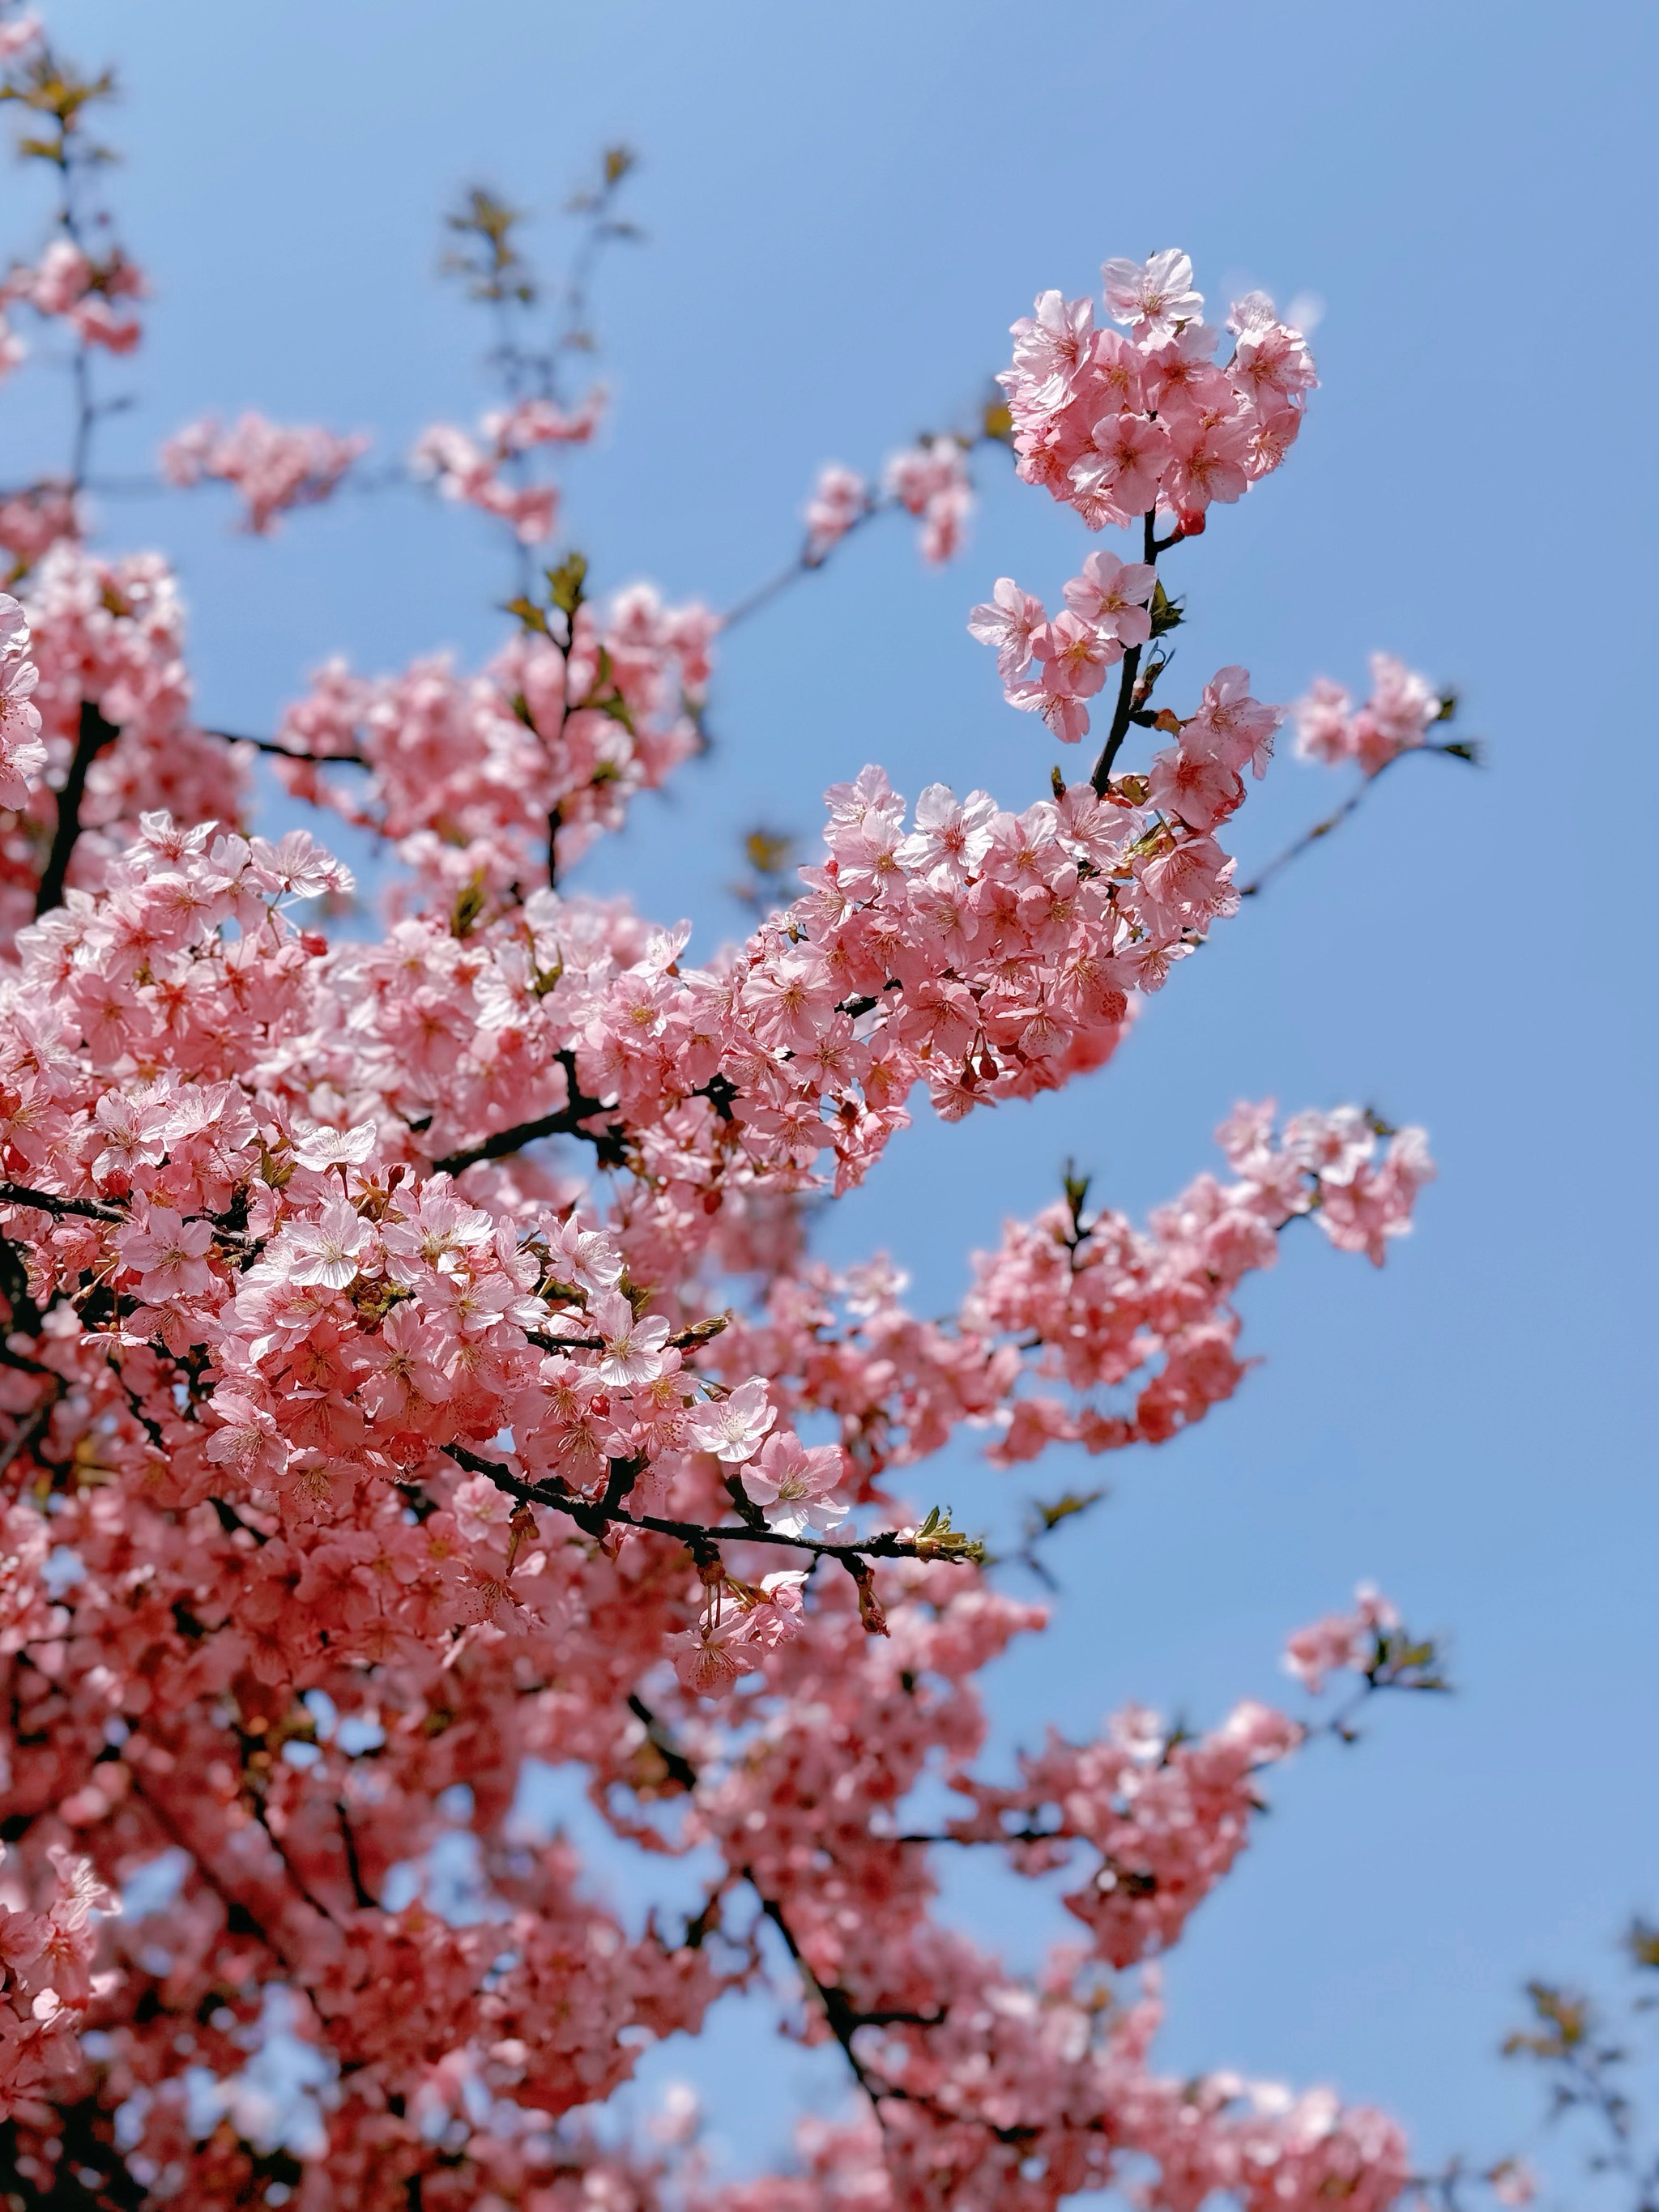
(415,1363)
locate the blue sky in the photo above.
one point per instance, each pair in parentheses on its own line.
(845,209)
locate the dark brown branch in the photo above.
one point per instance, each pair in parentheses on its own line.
(288,752)
(240,1919)
(91,738)
(680,1769)
(842,2016)
(45,1201)
(359,1890)
(1152,547)
(565,1121)
(596,1514)
(1007,1836)
(682,1340)
(289,1868)
(227,1516)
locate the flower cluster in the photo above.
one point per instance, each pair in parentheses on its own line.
(46,1979)
(982,954)
(67,284)
(1108,609)
(1403,707)
(274,468)
(1253,2143)
(1340,1641)
(929,480)
(483,474)
(478,779)
(992,2092)
(1105,1302)
(840,502)
(1079,1328)
(1120,425)
(1164,1816)
(111,692)
(34,521)
(23,755)
(415,1377)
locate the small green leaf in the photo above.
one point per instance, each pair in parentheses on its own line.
(529,614)
(566,582)
(1168,614)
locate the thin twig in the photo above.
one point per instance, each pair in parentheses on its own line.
(806,562)
(1462,751)
(288,752)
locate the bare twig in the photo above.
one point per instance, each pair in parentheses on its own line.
(1462,749)
(288,752)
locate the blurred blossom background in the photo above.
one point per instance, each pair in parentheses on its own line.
(843,210)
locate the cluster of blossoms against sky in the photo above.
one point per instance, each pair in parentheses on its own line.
(416,1368)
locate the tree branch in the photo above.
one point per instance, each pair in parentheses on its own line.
(1152,546)
(288,752)
(842,2016)
(17,1193)
(359,1890)
(596,1514)
(1462,749)
(233,1904)
(93,734)
(565,1121)
(806,562)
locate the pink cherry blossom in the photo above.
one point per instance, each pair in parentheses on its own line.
(1009,620)
(841,499)
(328,1251)
(1076,655)
(633,1351)
(1113,596)
(413,1332)
(1118,476)
(1340,1640)
(791,1483)
(23,754)
(731,1427)
(1157,296)
(274,469)
(168,1255)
